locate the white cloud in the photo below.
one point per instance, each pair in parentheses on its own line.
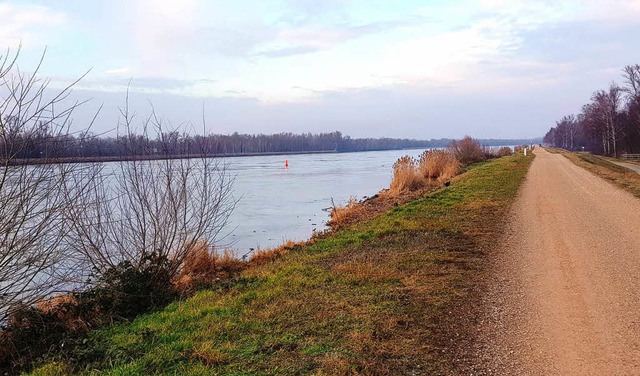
(296,53)
(122,71)
(29,24)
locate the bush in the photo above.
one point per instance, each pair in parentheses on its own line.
(406,176)
(126,291)
(58,325)
(520,148)
(30,334)
(468,150)
(438,165)
(504,151)
(410,174)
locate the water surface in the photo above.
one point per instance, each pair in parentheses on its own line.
(278,204)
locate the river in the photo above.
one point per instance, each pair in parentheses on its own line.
(277,204)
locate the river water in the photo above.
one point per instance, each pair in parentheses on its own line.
(277,204)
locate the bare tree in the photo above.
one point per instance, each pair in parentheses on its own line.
(140,210)
(565,133)
(631,74)
(609,124)
(602,116)
(32,201)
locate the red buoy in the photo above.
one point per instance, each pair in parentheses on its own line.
(286,163)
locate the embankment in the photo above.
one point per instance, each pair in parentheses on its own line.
(394,295)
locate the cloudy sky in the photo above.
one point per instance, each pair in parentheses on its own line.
(399,68)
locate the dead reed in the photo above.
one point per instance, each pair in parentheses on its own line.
(438,165)
(264,256)
(202,267)
(406,176)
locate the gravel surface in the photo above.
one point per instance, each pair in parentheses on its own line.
(630,166)
(564,298)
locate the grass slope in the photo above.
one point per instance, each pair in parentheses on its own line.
(394,295)
(600,166)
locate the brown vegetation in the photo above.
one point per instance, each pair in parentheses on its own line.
(438,165)
(413,178)
(341,214)
(64,309)
(519,148)
(264,256)
(202,268)
(410,174)
(495,152)
(406,176)
(468,150)
(504,151)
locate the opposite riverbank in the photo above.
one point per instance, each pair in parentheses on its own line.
(396,294)
(43,161)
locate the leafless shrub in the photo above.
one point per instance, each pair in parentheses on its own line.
(467,150)
(32,201)
(520,149)
(505,151)
(140,210)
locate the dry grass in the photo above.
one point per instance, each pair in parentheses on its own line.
(202,268)
(359,270)
(264,256)
(335,364)
(210,354)
(438,165)
(342,214)
(54,304)
(410,174)
(370,208)
(412,179)
(406,176)
(63,307)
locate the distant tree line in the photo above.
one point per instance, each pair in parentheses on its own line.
(40,142)
(609,124)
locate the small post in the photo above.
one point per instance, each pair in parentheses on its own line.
(525,152)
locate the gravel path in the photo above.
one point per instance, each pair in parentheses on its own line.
(630,166)
(565,296)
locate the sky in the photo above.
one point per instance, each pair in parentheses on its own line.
(393,68)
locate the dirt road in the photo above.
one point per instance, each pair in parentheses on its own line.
(630,166)
(565,299)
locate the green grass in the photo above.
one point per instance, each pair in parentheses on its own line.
(602,167)
(394,295)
